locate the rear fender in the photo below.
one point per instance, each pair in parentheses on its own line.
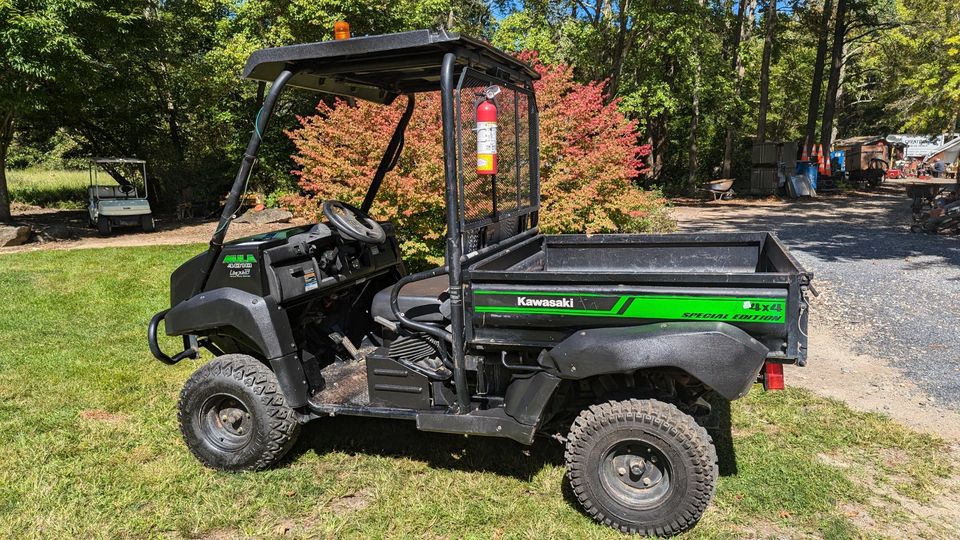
(261,323)
(722,356)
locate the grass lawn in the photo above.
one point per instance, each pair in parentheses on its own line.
(90,446)
(49,189)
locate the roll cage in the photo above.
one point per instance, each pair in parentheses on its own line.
(484,213)
(111,167)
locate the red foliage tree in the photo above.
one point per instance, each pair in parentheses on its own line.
(589,158)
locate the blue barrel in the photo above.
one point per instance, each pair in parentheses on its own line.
(808,168)
(841,158)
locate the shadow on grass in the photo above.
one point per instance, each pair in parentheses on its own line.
(401,439)
(722,434)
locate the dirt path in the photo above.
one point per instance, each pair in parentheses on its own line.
(67,229)
(868,383)
(883,332)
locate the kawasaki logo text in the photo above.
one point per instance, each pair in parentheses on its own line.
(545,302)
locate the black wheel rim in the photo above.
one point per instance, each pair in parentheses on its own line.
(636,474)
(226,422)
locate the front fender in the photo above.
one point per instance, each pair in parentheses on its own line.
(256,318)
(720,355)
(258,321)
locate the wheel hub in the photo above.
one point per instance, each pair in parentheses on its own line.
(226,422)
(635,473)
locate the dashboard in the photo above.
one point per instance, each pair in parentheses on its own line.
(292,265)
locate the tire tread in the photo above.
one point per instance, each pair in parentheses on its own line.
(262,384)
(694,440)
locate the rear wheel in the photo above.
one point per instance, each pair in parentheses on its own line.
(641,466)
(104,226)
(147,224)
(233,416)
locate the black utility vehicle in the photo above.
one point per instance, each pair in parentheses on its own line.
(607,342)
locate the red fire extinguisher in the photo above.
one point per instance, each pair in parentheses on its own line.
(487,131)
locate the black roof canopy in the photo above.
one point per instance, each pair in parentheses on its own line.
(378,68)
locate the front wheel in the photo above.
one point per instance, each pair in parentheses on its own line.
(147,224)
(104,227)
(641,466)
(233,416)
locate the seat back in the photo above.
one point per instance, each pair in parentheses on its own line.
(109,192)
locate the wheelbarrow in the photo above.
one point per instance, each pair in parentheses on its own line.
(721,188)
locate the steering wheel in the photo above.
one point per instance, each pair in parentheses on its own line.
(351,222)
(127,189)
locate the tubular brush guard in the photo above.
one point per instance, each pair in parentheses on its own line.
(191,348)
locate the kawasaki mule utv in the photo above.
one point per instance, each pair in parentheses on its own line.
(606,342)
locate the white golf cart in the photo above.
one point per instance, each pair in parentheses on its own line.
(119,197)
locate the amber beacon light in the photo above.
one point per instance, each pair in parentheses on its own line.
(341,30)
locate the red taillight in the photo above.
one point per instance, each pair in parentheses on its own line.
(773,376)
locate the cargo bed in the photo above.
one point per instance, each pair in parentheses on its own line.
(539,291)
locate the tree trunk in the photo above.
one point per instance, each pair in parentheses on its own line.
(692,164)
(833,84)
(765,71)
(172,111)
(620,49)
(6,137)
(813,106)
(657,129)
(840,81)
(744,26)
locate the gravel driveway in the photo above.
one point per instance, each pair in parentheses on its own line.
(889,293)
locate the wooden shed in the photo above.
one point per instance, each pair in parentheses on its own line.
(862,152)
(867,158)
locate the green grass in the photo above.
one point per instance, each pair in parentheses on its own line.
(48,189)
(90,446)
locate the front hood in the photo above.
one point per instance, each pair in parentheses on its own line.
(123,207)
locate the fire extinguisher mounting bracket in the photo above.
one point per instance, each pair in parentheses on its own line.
(490,92)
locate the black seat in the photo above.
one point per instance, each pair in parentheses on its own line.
(419,300)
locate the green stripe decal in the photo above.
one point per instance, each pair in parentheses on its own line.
(661,307)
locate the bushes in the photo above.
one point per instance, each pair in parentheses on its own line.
(589,160)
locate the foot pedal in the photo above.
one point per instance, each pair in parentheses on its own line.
(389,325)
(347,345)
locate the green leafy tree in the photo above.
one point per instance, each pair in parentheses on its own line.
(913,72)
(43,47)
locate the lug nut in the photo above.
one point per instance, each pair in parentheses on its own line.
(621,471)
(646,481)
